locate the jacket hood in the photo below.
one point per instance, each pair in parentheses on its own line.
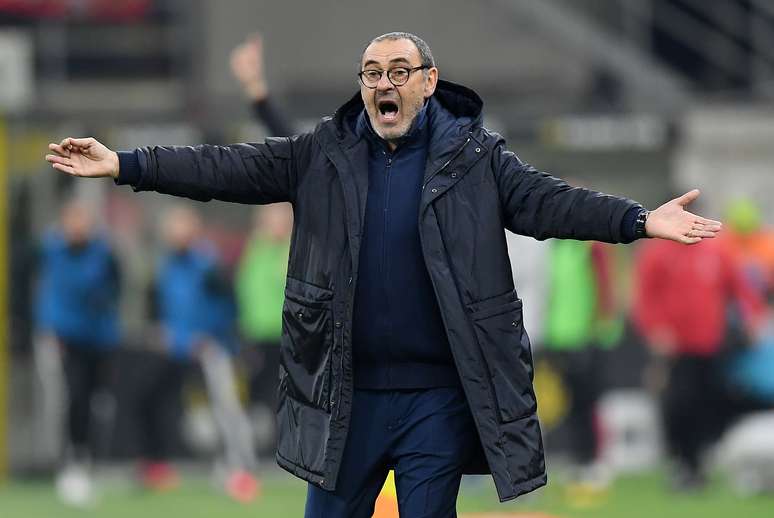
(461,102)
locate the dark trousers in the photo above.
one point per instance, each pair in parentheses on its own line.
(263,360)
(580,371)
(160,407)
(426,436)
(86,372)
(694,408)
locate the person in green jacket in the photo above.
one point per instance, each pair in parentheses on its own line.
(260,292)
(581,319)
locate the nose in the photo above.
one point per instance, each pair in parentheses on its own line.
(384,83)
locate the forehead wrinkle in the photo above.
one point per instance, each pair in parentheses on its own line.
(381,59)
(393,61)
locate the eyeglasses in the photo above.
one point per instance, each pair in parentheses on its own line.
(398,76)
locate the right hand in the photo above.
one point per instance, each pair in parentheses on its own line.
(83,157)
(247,67)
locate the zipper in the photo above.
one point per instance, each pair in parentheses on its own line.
(385,213)
(455,155)
(338,330)
(341,356)
(385,227)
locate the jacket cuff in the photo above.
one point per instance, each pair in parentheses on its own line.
(628,233)
(128,168)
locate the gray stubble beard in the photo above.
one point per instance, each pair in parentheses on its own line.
(415,108)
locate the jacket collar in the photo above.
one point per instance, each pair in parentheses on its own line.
(453,113)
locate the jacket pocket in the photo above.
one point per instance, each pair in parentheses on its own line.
(306,345)
(506,351)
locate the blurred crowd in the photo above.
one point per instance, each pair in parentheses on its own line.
(689,326)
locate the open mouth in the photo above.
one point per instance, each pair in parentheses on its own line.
(388,110)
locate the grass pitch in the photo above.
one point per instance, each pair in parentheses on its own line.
(641,496)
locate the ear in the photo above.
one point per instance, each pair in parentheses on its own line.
(431,81)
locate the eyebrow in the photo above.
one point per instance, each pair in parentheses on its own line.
(395,60)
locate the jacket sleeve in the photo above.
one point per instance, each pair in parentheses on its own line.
(243,173)
(539,205)
(267,113)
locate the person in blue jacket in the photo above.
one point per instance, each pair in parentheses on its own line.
(195,315)
(77,325)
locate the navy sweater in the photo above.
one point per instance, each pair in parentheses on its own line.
(399,341)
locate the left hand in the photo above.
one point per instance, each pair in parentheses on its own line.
(672,221)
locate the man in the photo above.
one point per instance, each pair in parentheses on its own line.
(193,308)
(580,320)
(681,302)
(77,320)
(752,242)
(402,340)
(259,286)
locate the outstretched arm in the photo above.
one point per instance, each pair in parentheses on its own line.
(244,173)
(542,206)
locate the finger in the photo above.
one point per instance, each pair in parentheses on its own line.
(690,240)
(688,197)
(59,150)
(55,159)
(711,222)
(64,169)
(702,234)
(67,144)
(704,223)
(82,142)
(709,227)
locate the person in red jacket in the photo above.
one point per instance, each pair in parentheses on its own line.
(682,298)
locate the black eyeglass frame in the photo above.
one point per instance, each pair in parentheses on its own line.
(409,70)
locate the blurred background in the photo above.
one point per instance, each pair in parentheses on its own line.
(654,363)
